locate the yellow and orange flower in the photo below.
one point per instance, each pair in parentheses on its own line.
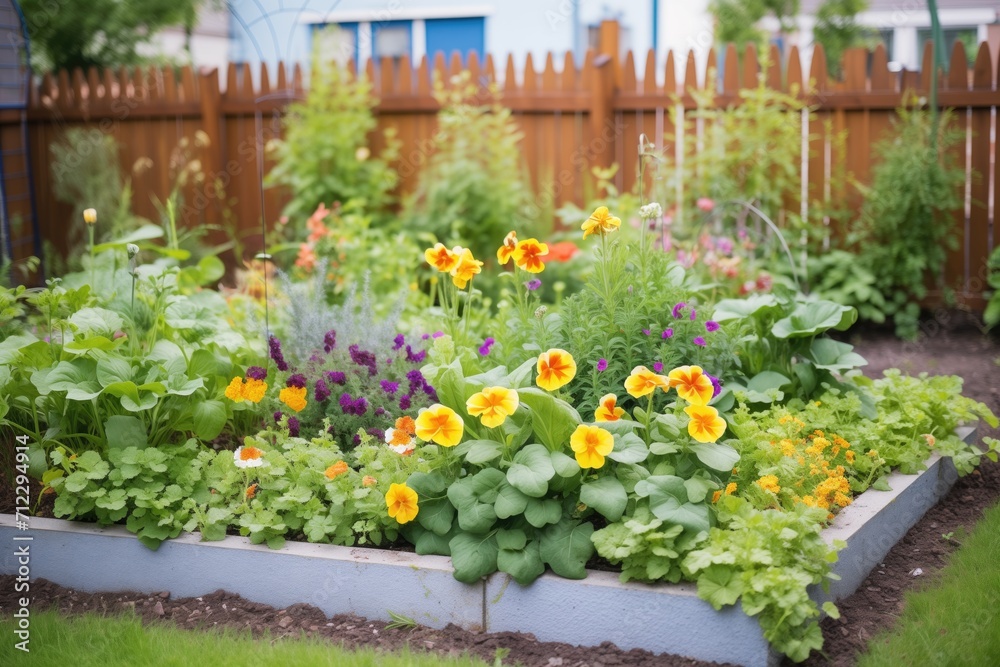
(336,470)
(441,258)
(466,267)
(600,222)
(493,405)
(527,255)
(368,480)
(293,397)
(506,251)
(555,368)
(249,389)
(251,491)
(692,384)
(400,440)
(248,457)
(440,424)
(591,444)
(234,391)
(769,483)
(705,425)
(401,501)
(608,410)
(642,382)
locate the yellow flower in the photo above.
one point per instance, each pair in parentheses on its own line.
(849,455)
(600,222)
(440,424)
(607,409)
(90,216)
(234,391)
(643,382)
(692,384)
(493,405)
(706,425)
(402,503)
(253,390)
(441,258)
(591,444)
(555,368)
(337,469)
(730,488)
(506,251)
(293,397)
(716,496)
(841,499)
(527,254)
(466,267)
(769,483)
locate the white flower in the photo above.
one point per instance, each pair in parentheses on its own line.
(399,441)
(248,457)
(651,211)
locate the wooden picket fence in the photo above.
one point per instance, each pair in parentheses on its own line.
(572,116)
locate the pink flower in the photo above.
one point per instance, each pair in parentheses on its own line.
(705,204)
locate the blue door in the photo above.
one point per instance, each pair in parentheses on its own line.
(462,35)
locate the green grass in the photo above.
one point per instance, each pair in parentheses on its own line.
(95,641)
(957,620)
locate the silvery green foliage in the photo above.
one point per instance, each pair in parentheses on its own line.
(309,317)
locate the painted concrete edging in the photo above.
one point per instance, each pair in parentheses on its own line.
(661,618)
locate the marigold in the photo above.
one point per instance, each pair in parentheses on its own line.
(505,251)
(251,491)
(527,255)
(600,222)
(716,496)
(406,424)
(441,425)
(769,483)
(493,405)
(442,258)
(337,469)
(591,444)
(293,397)
(234,391)
(849,455)
(730,488)
(368,480)
(401,502)
(555,368)
(400,441)
(642,382)
(608,410)
(254,390)
(705,425)
(467,267)
(248,457)
(692,384)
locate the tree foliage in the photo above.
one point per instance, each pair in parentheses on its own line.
(837,30)
(736,20)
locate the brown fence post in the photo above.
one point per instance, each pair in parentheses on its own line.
(602,119)
(210,102)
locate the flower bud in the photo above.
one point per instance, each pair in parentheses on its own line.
(90,216)
(132,250)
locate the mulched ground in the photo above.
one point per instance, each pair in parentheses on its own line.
(874,607)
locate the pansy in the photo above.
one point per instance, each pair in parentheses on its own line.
(401,502)
(532,285)
(528,253)
(441,257)
(643,381)
(692,384)
(591,444)
(493,405)
(440,424)
(600,222)
(336,470)
(505,251)
(465,268)
(608,410)
(248,457)
(555,368)
(705,425)
(293,397)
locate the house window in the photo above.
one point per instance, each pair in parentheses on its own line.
(968,36)
(464,35)
(392,39)
(338,42)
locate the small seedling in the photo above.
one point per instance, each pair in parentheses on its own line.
(399,621)
(498,657)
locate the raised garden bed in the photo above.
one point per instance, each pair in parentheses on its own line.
(371,582)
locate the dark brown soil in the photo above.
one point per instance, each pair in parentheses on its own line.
(873,608)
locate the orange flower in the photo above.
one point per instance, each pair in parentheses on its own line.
(406,425)
(692,384)
(591,444)
(706,425)
(466,267)
(314,224)
(441,258)
(440,424)
(493,405)
(563,251)
(401,501)
(251,491)
(368,480)
(337,469)
(607,410)
(716,496)
(600,222)
(527,254)
(248,457)
(306,258)
(643,382)
(506,251)
(555,368)
(293,397)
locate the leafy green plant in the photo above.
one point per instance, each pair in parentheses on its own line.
(992,313)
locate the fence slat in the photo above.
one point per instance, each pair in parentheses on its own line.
(979,221)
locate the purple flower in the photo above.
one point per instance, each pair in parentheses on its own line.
(416,379)
(379,411)
(645,332)
(430,392)
(256,373)
(484,350)
(711,326)
(389,387)
(414,358)
(658,366)
(322,390)
(293,427)
(667,333)
(329,341)
(698,340)
(297,380)
(437,334)
(533,284)
(425,337)
(693,315)
(724,245)
(345,402)
(356,439)
(602,365)
(676,312)
(376,433)
(398,342)
(716,385)
(277,417)
(337,377)
(274,346)
(404,402)
(364,358)
(360,406)
(489,340)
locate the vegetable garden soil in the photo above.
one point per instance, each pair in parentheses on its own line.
(873,608)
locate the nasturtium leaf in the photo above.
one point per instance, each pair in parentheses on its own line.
(125,431)
(523,563)
(553,419)
(84,345)
(564,465)
(427,484)
(209,418)
(542,512)
(738,309)
(719,586)
(510,502)
(668,500)
(766,380)
(96,322)
(629,448)
(479,452)
(473,497)
(815,317)
(697,488)
(521,375)
(832,355)
(715,455)
(113,369)
(77,378)
(566,547)
(427,542)
(204,364)
(473,556)
(436,515)
(531,471)
(10,348)
(606,495)
(511,538)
